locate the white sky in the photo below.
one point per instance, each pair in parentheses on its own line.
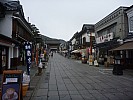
(62,18)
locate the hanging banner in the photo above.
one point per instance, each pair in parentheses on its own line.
(28,54)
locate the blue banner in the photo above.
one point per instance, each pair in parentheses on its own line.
(28,54)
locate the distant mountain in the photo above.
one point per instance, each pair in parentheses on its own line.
(45,37)
(52,39)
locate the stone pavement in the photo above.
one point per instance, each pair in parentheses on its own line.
(66,79)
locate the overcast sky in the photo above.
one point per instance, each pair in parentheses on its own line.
(62,18)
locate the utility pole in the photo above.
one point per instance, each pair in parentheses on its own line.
(90,55)
(90,43)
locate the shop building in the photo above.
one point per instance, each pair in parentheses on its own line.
(87,40)
(6,49)
(73,42)
(125,51)
(129,39)
(80,43)
(110,32)
(14,31)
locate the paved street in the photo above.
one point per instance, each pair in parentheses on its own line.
(67,79)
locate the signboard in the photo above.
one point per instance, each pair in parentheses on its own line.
(28,54)
(104,38)
(12,85)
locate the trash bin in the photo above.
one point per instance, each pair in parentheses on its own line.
(118,67)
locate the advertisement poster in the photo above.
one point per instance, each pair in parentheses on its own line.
(11,85)
(10,92)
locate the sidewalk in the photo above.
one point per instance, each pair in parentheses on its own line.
(33,85)
(35,78)
(128,73)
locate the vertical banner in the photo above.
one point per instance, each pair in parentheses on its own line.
(28,54)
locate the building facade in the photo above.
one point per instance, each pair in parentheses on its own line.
(128,51)
(125,51)
(110,32)
(81,41)
(14,31)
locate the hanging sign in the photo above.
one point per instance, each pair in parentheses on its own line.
(28,54)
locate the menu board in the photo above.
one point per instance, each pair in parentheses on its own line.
(12,85)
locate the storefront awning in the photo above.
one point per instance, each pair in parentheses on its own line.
(64,51)
(76,51)
(125,46)
(83,50)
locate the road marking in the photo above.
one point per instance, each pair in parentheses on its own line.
(102,72)
(107,69)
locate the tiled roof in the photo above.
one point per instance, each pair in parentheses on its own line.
(88,27)
(12,5)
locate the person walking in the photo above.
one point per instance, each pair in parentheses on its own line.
(51,54)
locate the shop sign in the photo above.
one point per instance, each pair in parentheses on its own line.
(104,38)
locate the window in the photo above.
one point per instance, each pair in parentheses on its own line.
(131,24)
(84,40)
(3,57)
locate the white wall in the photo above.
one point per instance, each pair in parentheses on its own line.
(10,56)
(15,52)
(87,36)
(6,25)
(73,41)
